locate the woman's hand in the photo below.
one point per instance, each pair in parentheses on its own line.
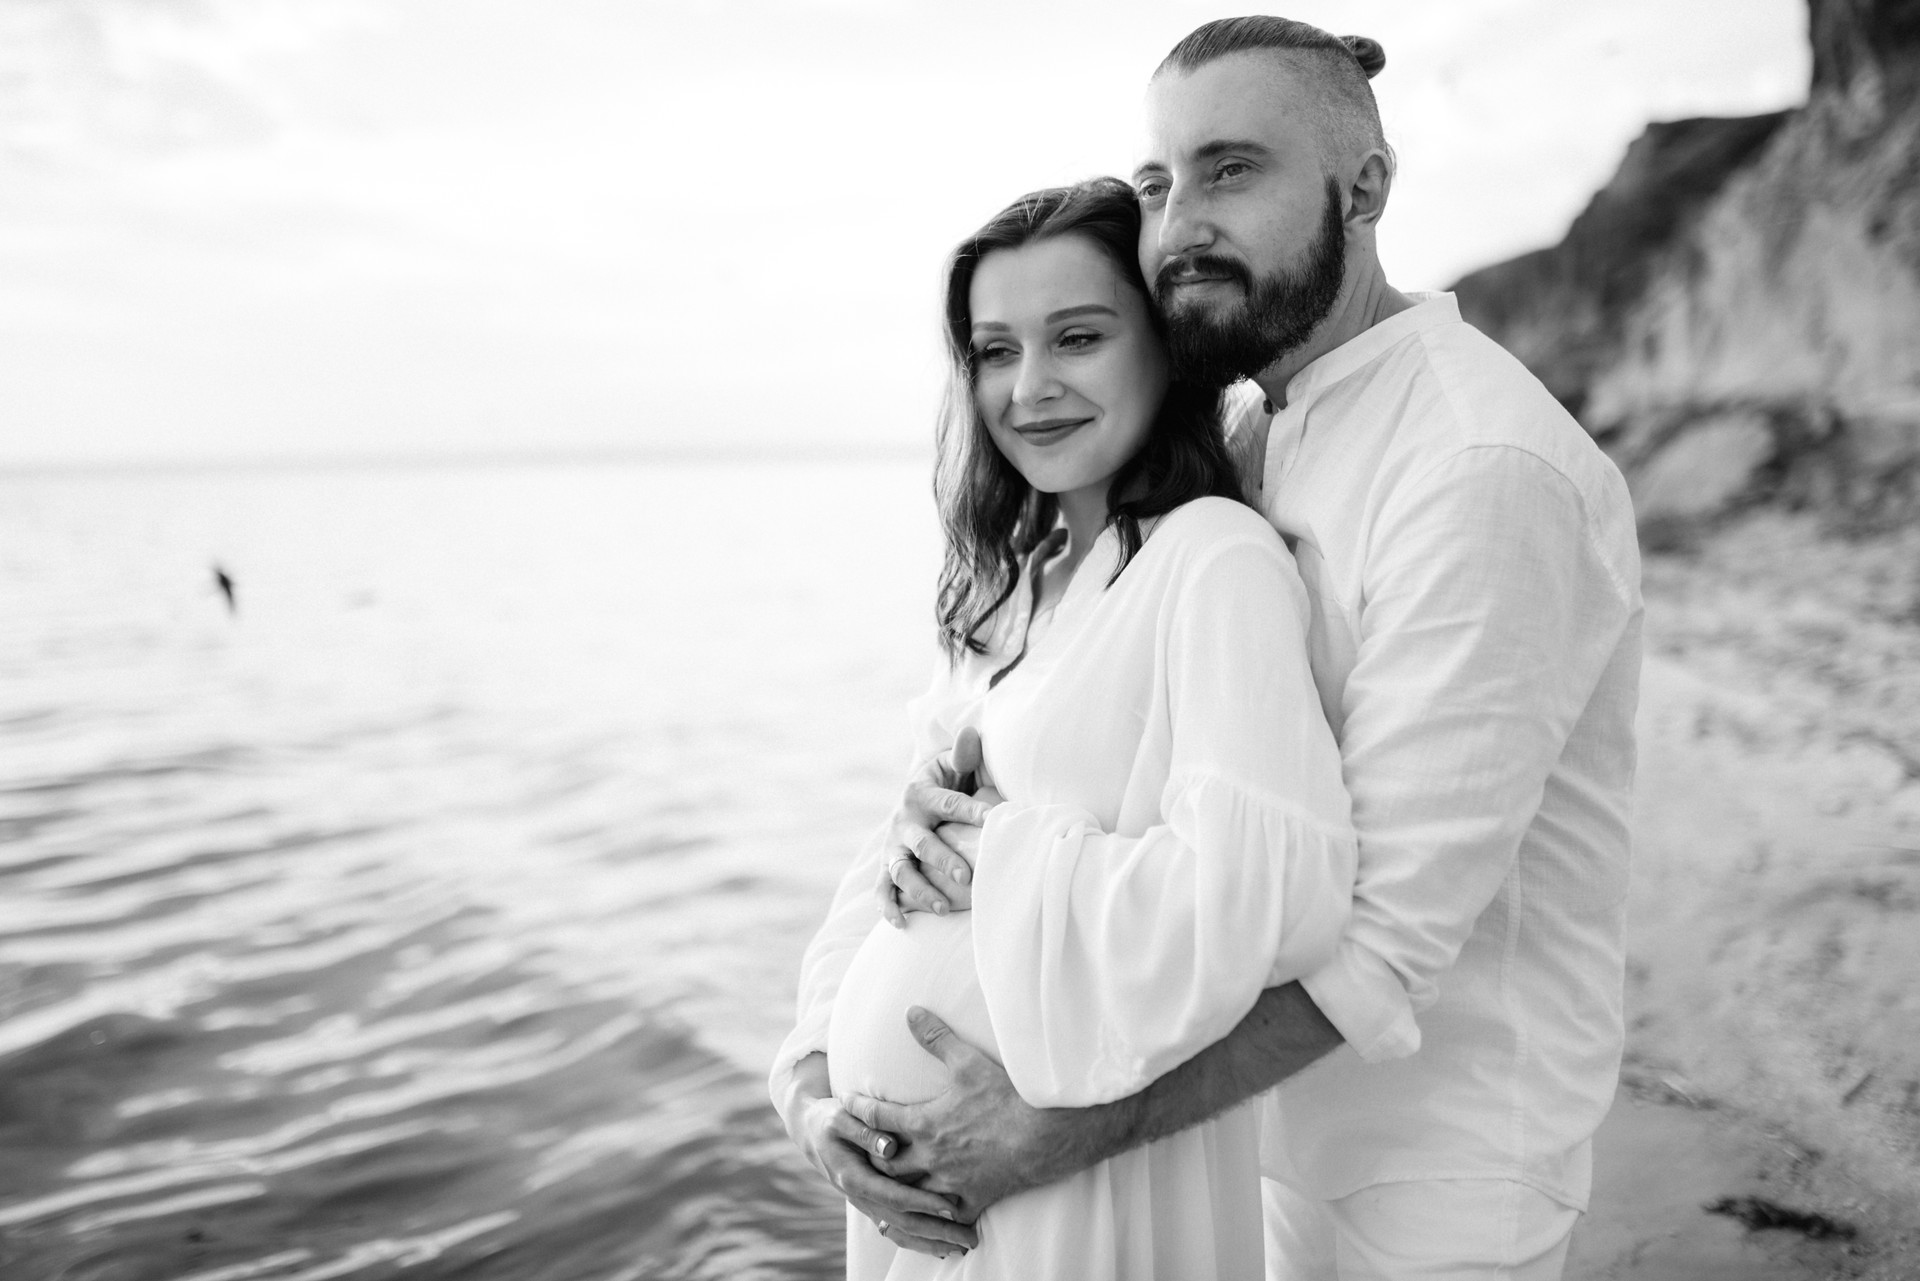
(961,838)
(915,852)
(838,1145)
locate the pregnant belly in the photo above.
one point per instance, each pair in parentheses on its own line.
(930,964)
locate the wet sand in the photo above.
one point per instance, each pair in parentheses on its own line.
(1657,1165)
(1774,930)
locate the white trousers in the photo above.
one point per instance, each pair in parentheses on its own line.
(1433,1230)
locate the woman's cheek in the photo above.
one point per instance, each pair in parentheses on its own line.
(990,394)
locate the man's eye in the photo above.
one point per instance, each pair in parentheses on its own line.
(1151,189)
(1232,169)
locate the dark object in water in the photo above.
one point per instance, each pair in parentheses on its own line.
(224,582)
(1758,1213)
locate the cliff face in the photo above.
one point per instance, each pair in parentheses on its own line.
(1737,314)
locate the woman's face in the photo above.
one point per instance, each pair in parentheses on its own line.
(1068,373)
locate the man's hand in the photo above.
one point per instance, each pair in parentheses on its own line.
(839,1146)
(979,1141)
(914,850)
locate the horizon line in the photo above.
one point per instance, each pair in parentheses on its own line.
(427,460)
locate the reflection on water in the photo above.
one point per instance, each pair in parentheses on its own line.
(434,914)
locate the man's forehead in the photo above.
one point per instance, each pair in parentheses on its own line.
(1255,95)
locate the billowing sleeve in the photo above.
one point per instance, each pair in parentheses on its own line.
(1491,611)
(1107,960)
(935,718)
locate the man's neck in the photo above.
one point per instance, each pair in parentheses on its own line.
(1365,301)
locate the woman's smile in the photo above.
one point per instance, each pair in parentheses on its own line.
(1050,431)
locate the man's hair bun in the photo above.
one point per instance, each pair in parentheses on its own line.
(1367,52)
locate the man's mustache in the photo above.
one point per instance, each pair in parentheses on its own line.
(1200,265)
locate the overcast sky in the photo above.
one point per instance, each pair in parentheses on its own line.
(242,229)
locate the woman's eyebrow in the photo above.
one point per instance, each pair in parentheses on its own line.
(1053,317)
(1084,309)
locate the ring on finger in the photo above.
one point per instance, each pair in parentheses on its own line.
(892,863)
(882,1225)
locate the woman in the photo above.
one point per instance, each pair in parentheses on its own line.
(1171,834)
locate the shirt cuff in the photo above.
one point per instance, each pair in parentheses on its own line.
(1364,999)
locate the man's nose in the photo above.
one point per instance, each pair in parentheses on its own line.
(1184,228)
(1037,382)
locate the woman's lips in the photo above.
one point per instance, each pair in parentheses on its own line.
(1049,430)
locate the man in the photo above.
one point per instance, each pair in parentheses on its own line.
(1471,561)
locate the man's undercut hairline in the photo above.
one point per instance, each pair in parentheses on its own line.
(1347,123)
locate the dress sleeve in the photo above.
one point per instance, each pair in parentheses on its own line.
(1107,960)
(935,719)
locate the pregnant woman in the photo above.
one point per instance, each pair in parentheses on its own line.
(1169,831)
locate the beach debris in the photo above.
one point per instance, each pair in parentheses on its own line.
(1760,1214)
(1858,1088)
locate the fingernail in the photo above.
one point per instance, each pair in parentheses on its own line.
(883,1146)
(963,876)
(948,1215)
(940,909)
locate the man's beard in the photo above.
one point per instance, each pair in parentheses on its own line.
(1215,346)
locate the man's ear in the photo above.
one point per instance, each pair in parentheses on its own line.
(1368,191)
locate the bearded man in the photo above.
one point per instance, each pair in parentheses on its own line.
(1475,638)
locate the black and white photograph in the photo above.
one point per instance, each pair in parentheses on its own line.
(906,640)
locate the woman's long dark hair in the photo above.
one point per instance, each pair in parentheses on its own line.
(992,517)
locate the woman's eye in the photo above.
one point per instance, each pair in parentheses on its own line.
(1076,339)
(994,355)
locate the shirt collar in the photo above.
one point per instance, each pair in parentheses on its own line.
(1428,310)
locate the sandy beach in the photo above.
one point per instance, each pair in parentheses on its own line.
(1773,940)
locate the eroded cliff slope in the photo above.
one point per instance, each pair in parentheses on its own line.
(1736,315)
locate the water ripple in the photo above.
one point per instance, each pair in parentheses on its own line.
(435,915)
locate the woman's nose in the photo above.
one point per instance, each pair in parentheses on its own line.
(1036,384)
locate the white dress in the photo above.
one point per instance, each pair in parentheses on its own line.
(1176,838)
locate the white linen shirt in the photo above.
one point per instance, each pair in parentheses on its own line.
(1473,573)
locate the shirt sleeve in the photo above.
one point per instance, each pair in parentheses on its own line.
(1489,615)
(934,718)
(1106,960)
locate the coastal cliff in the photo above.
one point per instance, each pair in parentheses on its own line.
(1736,315)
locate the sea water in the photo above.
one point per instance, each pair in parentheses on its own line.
(433,911)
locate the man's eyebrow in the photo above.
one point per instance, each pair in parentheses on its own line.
(1212,150)
(1231,146)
